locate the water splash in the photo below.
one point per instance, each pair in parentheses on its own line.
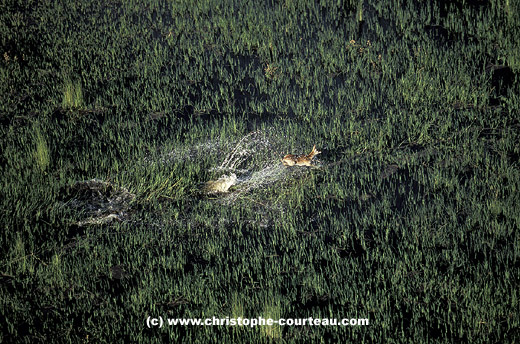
(99,202)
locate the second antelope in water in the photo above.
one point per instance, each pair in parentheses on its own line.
(300,160)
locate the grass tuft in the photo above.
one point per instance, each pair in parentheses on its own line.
(72,94)
(41,153)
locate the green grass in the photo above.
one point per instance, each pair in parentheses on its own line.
(41,152)
(72,94)
(411,219)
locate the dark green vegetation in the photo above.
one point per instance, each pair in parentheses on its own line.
(411,221)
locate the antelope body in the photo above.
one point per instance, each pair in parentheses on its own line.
(300,160)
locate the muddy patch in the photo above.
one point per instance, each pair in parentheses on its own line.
(98,202)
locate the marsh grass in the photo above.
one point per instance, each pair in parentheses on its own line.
(72,94)
(237,306)
(409,217)
(41,153)
(272,310)
(359,12)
